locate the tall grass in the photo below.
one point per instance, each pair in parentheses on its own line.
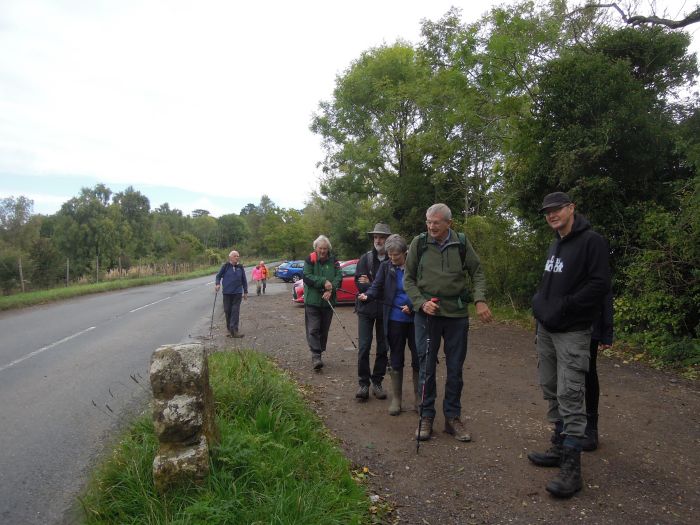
(275,463)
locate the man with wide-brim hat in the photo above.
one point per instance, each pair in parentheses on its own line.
(370,317)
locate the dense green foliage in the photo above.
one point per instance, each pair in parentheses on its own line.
(487,117)
(490,117)
(275,463)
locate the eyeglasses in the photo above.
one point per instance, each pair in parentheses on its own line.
(555,210)
(435,223)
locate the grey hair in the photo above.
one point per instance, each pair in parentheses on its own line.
(395,244)
(440,209)
(232,252)
(322,239)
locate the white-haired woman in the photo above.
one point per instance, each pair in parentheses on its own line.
(322,278)
(398,317)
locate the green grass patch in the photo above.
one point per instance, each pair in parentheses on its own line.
(276,464)
(22,300)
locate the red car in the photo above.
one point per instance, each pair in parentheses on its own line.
(348,289)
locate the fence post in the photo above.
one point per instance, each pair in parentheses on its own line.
(97,271)
(67,271)
(21,275)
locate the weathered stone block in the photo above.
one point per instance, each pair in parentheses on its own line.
(179,464)
(183,414)
(179,418)
(179,369)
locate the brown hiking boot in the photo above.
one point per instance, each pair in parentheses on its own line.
(425,429)
(237,335)
(455,427)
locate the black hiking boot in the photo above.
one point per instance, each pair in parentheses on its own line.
(316,361)
(552,457)
(590,440)
(568,481)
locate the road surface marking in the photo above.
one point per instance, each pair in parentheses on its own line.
(43,349)
(147,305)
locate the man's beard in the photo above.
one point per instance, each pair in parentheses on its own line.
(379,248)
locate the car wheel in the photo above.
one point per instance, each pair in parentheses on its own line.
(296,278)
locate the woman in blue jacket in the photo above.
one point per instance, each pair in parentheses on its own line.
(398,317)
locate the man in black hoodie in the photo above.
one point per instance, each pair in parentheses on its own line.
(575,281)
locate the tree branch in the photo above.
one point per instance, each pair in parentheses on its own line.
(692,18)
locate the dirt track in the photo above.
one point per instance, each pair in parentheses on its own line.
(647,469)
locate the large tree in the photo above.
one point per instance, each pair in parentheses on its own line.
(602,129)
(136,210)
(370,131)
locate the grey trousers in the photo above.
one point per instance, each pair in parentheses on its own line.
(318,323)
(563,359)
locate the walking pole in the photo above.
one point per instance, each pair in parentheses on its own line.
(211,326)
(341,324)
(425,375)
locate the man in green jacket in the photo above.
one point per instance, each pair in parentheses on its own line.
(440,266)
(322,278)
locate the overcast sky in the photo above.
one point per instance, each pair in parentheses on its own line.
(198,103)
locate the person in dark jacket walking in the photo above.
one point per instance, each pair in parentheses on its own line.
(575,281)
(370,316)
(601,339)
(397,317)
(235,288)
(322,278)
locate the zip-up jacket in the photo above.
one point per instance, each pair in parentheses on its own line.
(316,273)
(576,279)
(368,265)
(382,292)
(234,279)
(439,272)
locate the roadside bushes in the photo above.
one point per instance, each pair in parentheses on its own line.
(659,307)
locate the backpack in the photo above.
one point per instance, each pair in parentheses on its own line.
(423,245)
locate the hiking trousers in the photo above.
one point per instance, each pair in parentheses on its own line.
(453,332)
(365,324)
(232,309)
(563,360)
(318,324)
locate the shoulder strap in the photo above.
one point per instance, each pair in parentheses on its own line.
(423,245)
(462,246)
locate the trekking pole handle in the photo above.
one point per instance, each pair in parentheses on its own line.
(435,301)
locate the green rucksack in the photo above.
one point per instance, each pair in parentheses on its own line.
(423,245)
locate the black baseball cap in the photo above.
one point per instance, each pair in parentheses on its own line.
(555,200)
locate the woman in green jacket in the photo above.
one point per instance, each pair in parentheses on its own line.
(322,278)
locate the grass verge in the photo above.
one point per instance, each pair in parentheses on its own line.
(275,463)
(23,300)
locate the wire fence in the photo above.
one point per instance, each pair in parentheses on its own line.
(25,275)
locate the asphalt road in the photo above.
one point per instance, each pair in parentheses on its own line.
(66,385)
